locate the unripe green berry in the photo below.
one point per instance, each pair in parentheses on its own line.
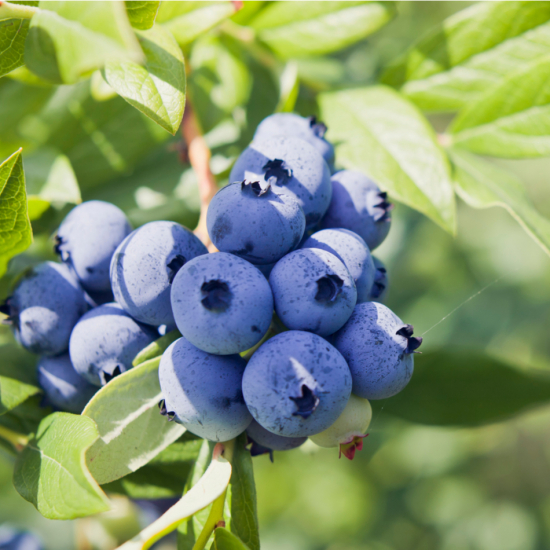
(349,429)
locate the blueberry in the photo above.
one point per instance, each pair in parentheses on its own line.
(203,391)
(144,266)
(253,222)
(44,308)
(296,384)
(313,290)
(63,386)
(105,341)
(292,166)
(222,304)
(263,441)
(378,347)
(352,250)
(292,125)
(379,288)
(12,539)
(87,239)
(349,429)
(358,205)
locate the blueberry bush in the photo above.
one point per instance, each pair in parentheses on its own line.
(138,362)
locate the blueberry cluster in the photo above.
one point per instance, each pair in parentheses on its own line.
(284,333)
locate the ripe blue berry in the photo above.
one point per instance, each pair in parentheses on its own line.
(44,308)
(105,341)
(352,250)
(358,205)
(222,304)
(292,166)
(296,384)
(263,441)
(63,386)
(379,348)
(379,288)
(87,239)
(203,391)
(292,125)
(313,290)
(144,266)
(253,222)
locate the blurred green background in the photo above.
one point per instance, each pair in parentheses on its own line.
(412,486)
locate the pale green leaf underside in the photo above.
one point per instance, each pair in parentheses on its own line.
(131,429)
(511,120)
(298,29)
(156,348)
(188,20)
(158,88)
(483,185)
(51,473)
(12,44)
(470,52)
(15,227)
(13,392)
(69,40)
(380,133)
(142,14)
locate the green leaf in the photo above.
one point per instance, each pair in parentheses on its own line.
(25,418)
(101,139)
(511,120)
(189,20)
(15,227)
(219,81)
(156,348)
(50,175)
(131,429)
(380,133)
(299,29)
(37,207)
(13,33)
(163,477)
(69,40)
(244,515)
(158,88)
(483,185)
(13,392)
(52,474)
(451,387)
(142,14)
(211,485)
(225,540)
(17,377)
(289,88)
(470,52)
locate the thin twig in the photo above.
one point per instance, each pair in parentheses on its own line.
(199,158)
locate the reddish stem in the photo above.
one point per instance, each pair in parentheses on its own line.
(199,158)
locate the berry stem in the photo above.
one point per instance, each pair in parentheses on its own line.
(199,157)
(216,512)
(16,11)
(19,441)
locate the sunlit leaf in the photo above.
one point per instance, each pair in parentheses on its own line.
(470,52)
(131,429)
(52,474)
(377,131)
(157,89)
(15,227)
